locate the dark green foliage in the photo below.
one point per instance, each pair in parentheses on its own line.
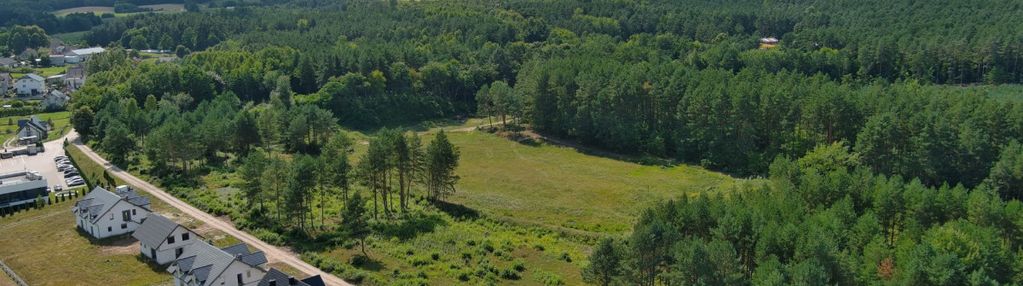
(355,221)
(440,162)
(605,263)
(874,229)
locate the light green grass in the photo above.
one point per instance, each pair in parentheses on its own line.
(44,248)
(561,187)
(100,10)
(61,124)
(50,71)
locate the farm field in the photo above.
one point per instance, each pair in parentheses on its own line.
(99,10)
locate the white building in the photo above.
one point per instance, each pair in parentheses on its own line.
(103,214)
(57,60)
(75,77)
(84,54)
(204,264)
(30,84)
(163,240)
(21,188)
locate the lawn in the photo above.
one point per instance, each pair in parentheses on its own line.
(61,124)
(44,248)
(563,188)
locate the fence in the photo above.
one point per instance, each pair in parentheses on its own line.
(14,276)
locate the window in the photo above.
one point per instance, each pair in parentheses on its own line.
(124,226)
(178,252)
(110,228)
(170,239)
(133,212)
(185,236)
(111,216)
(239,279)
(248,273)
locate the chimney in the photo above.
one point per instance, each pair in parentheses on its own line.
(292,281)
(273,282)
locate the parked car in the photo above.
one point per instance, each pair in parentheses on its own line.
(71,173)
(57,188)
(76,183)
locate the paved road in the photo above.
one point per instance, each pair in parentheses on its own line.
(273,253)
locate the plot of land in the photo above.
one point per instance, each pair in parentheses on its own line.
(61,124)
(44,248)
(99,10)
(561,187)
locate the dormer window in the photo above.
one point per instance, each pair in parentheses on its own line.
(185,236)
(170,239)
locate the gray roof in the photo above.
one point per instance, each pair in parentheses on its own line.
(99,201)
(7,61)
(34,77)
(204,262)
(154,230)
(283,279)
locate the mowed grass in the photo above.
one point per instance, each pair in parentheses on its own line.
(562,188)
(61,124)
(44,248)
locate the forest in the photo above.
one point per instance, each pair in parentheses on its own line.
(887,159)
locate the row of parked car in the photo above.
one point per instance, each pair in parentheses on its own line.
(71,175)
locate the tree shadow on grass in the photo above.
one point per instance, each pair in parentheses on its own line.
(410,227)
(457,211)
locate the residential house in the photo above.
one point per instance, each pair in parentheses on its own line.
(203,264)
(275,277)
(5,83)
(103,213)
(74,78)
(8,63)
(163,240)
(29,85)
(55,100)
(32,130)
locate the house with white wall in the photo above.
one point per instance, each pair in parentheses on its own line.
(203,264)
(29,85)
(275,277)
(102,213)
(163,240)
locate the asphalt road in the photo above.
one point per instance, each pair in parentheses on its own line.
(273,253)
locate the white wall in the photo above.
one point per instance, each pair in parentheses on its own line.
(110,223)
(26,86)
(165,252)
(250,275)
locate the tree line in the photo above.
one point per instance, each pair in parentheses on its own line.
(824,219)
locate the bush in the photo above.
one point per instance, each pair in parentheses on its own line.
(519,265)
(268,236)
(510,274)
(547,278)
(360,260)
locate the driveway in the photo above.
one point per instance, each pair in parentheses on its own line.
(41,162)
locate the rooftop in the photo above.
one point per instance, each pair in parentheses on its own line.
(20,181)
(89,51)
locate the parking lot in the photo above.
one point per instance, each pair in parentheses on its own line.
(42,163)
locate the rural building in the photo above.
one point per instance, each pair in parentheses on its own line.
(75,77)
(55,100)
(163,240)
(103,214)
(57,60)
(29,85)
(85,54)
(8,63)
(5,83)
(21,188)
(204,264)
(32,130)
(275,277)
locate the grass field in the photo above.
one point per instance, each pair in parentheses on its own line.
(61,124)
(99,10)
(44,247)
(561,187)
(72,38)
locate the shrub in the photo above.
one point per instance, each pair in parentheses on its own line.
(519,265)
(547,278)
(510,274)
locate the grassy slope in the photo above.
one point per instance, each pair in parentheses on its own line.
(558,186)
(66,257)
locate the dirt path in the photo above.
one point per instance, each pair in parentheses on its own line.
(273,253)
